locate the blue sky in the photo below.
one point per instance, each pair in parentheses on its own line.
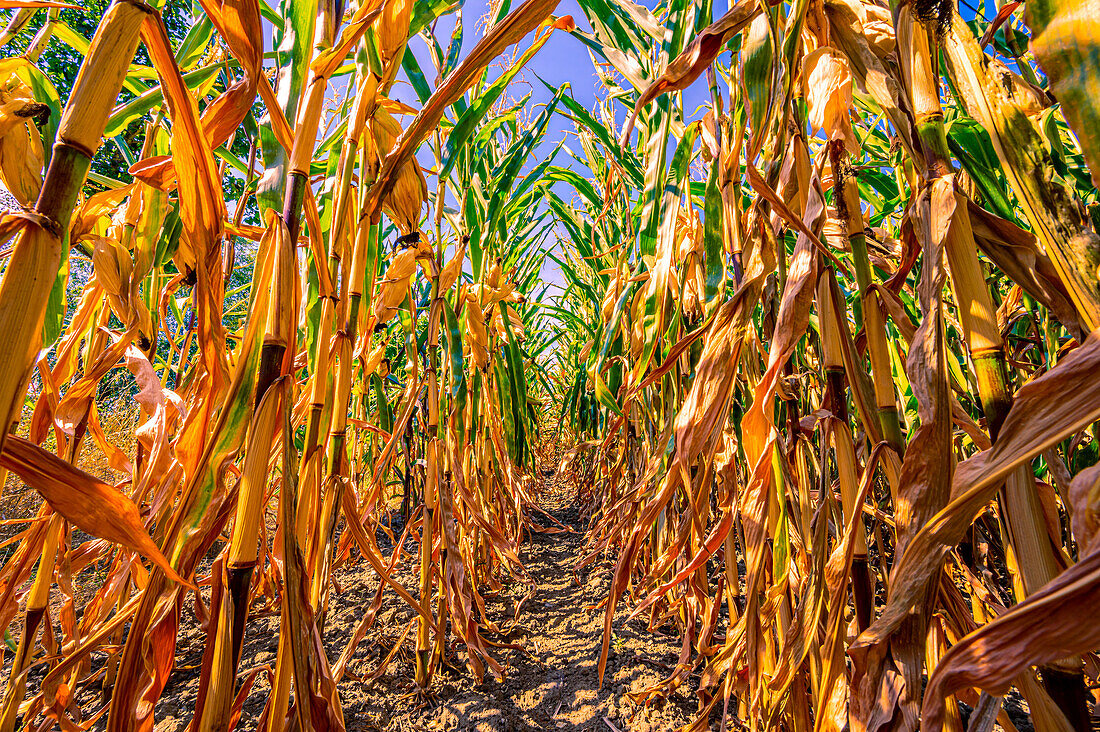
(563,59)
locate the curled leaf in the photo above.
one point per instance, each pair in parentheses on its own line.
(699,54)
(87,502)
(827,86)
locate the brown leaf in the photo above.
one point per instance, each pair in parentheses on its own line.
(693,60)
(511,29)
(1044,628)
(827,86)
(201,204)
(1040,417)
(1016,252)
(239,23)
(87,502)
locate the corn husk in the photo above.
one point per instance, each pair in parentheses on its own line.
(827,87)
(451,271)
(21,155)
(477,338)
(392,29)
(405,202)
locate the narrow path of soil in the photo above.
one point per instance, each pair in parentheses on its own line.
(552,684)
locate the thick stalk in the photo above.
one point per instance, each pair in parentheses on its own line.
(844,450)
(423,644)
(36,254)
(306,125)
(32,620)
(868,315)
(309,460)
(213,712)
(1021,510)
(336,458)
(42,37)
(18,22)
(1057,218)
(432,517)
(297,184)
(434,448)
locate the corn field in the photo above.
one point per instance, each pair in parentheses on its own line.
(822,368)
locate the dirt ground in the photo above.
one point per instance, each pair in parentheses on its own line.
(551,666)
(550,684)
(551,670)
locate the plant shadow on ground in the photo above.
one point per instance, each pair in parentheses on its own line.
(551,675)
(551,679)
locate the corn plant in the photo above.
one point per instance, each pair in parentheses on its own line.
(376,357)
(815,329)
(824,348)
